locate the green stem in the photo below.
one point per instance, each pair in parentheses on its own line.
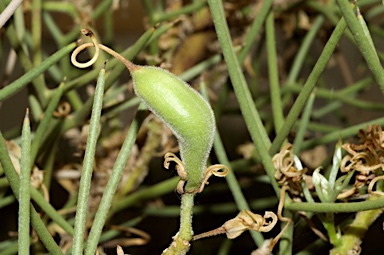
(356,231)
(86,174)
(308,87)
(36,221)
(277,109)
(250,114)
(101,8)
(346,132)
(28,77)
(185,231)
(113,183)
(303,125)
(180,244)
(54,6)
(304,48)
(143,194)
(362,41)
(182,11)
(233,184)
(24,193)
(36,32)
(329,225)
(254,31)
(330,94)
(13,180)
(43,125)
(336,207)
(5,201)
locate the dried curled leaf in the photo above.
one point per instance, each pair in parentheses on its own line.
(365,158)
(245,220)
(288,169)
(171,157)
(216,170)
(368,155)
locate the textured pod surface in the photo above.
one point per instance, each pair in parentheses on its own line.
(184,110)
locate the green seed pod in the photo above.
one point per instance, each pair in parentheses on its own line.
(184,111)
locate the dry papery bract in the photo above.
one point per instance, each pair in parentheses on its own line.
(366,158)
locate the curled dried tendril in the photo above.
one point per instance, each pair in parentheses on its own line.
(82,47)
(280,216)
(361,162)
(372,183)
(98,47)
(216,170)
(171,157)
(62,110)
(289,176)
(365,158)
(364,166)
(371,146)
(287,172)
(245,220)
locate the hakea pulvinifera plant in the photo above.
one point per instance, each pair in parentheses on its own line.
(188,115)
(365,158)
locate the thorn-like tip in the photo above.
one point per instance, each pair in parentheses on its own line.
(26,114)
(105,64)
(358,12)
(87,32)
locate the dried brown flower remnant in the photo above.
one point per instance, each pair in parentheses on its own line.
(245,220)
(287,172)
(369,154)
(365,158)
(216,170)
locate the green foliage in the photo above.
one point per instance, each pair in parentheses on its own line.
(284,81)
